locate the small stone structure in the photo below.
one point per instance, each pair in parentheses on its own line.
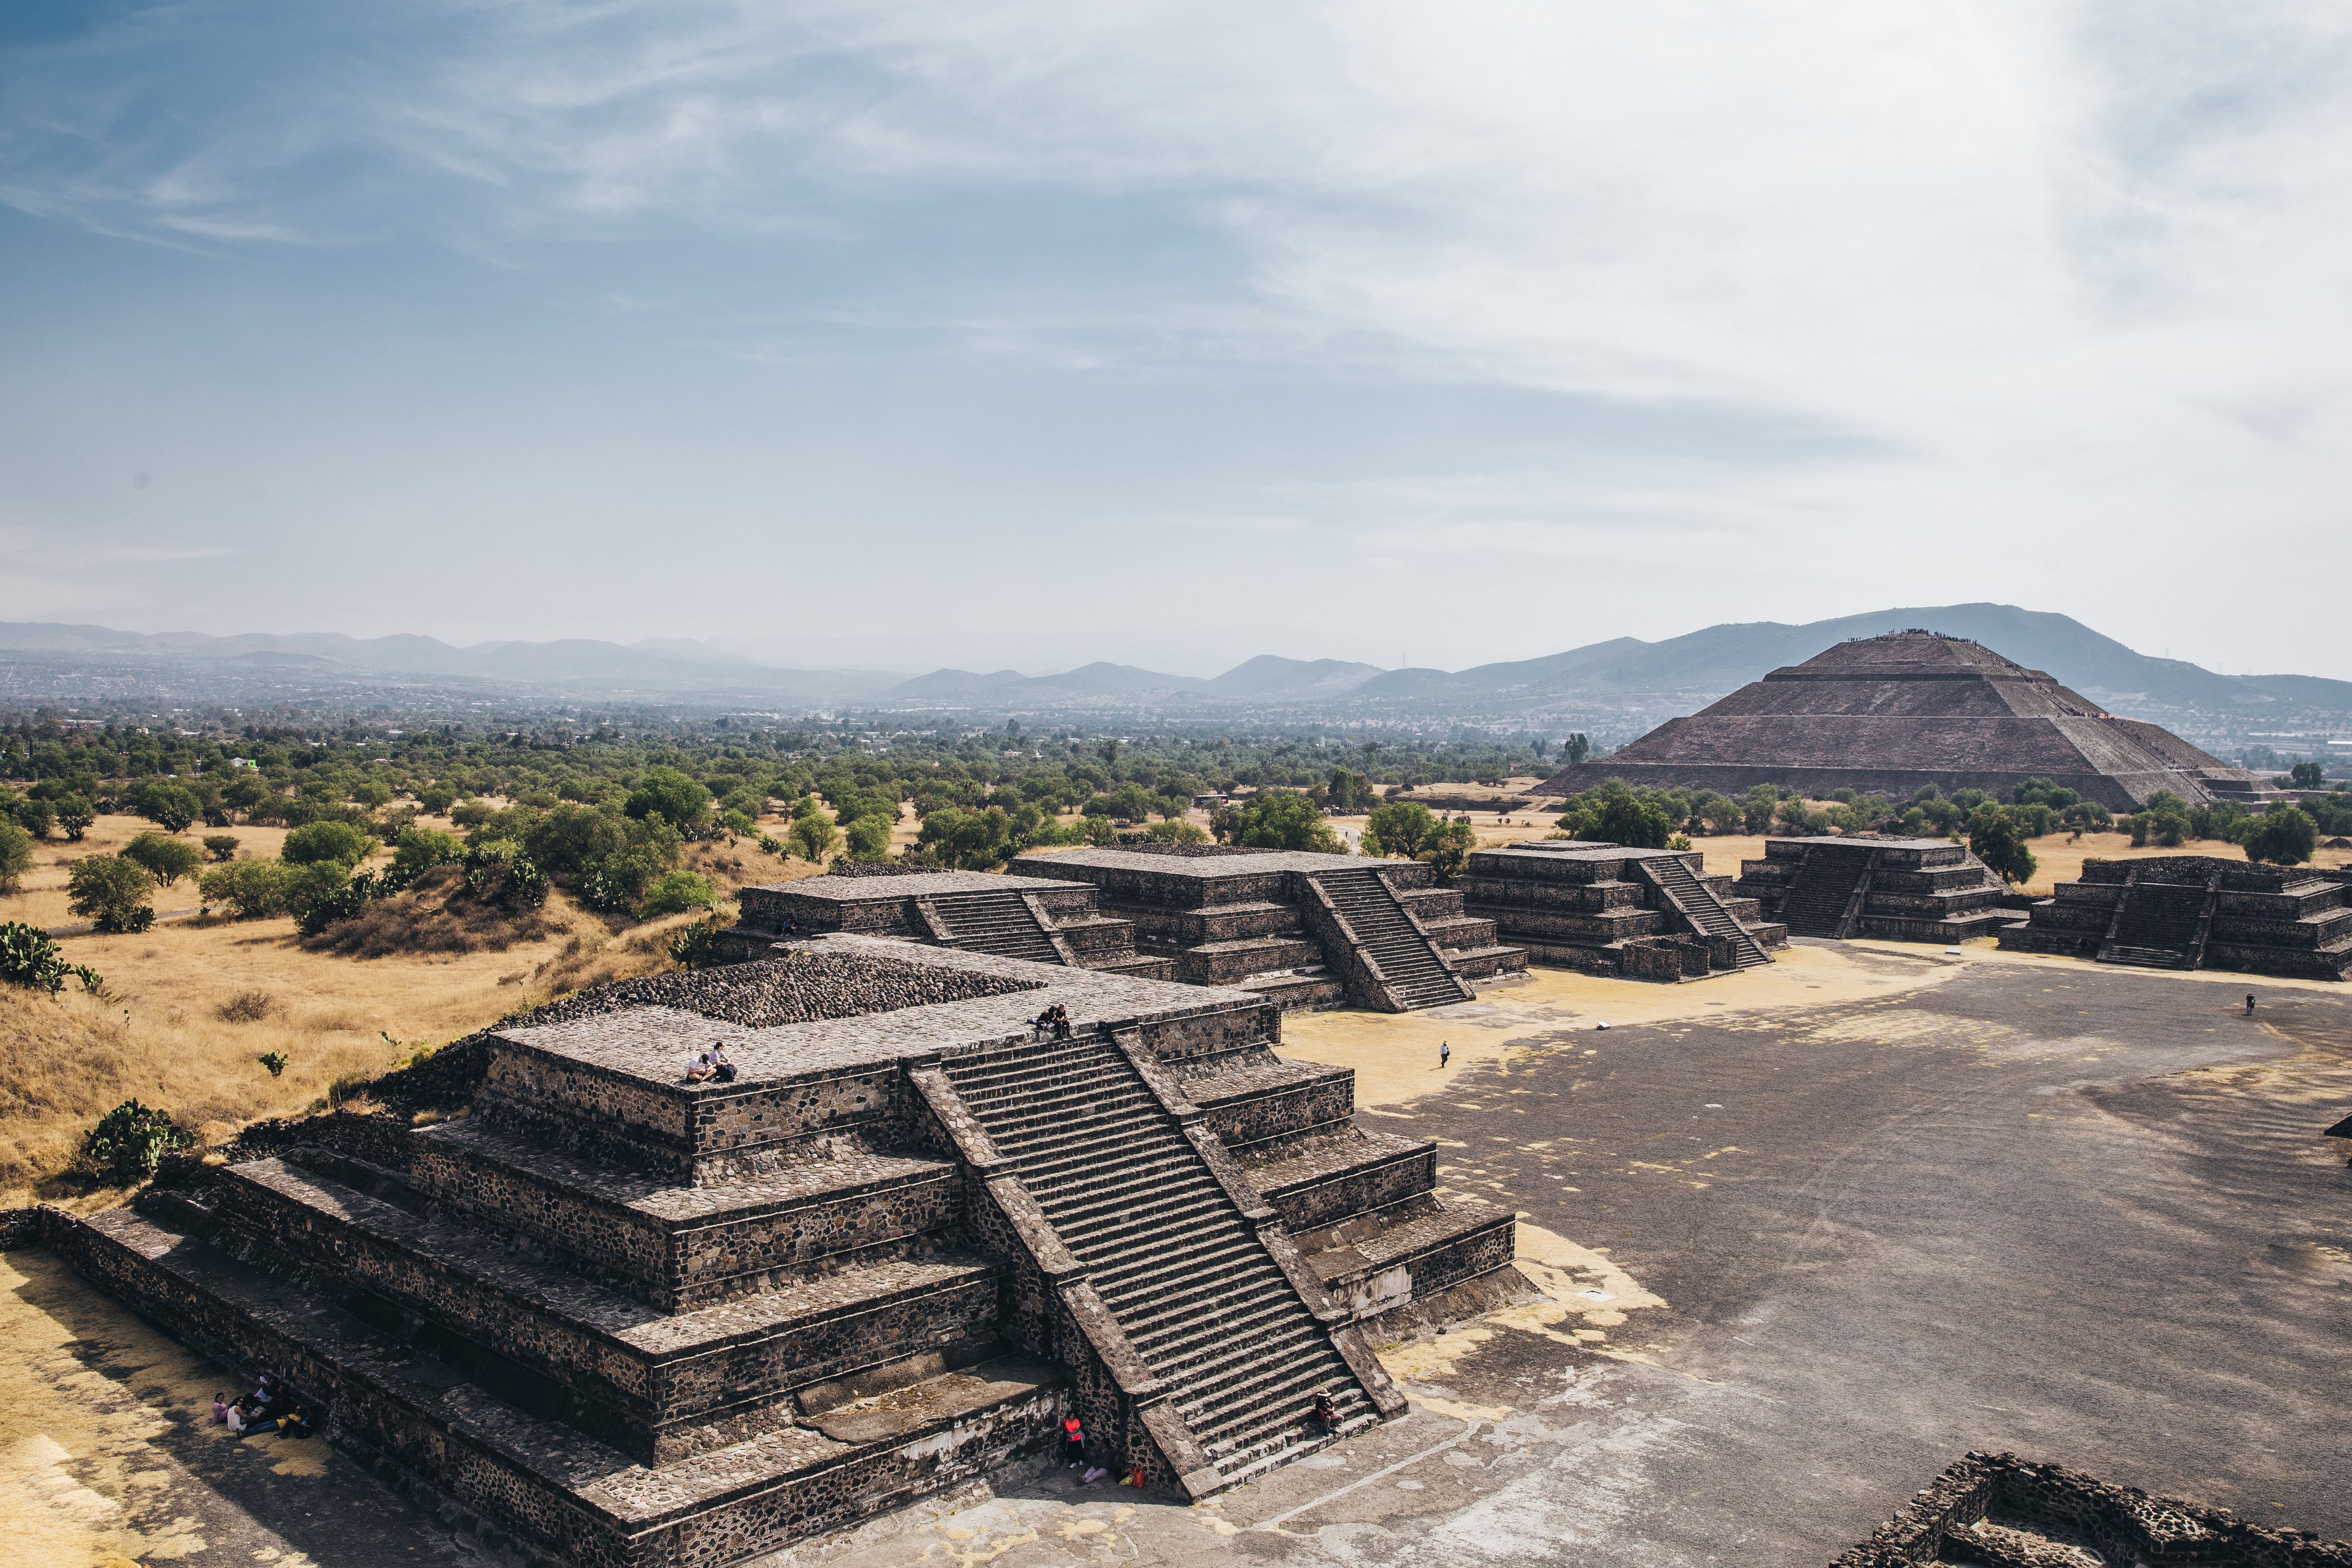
(1887,714)
(633,1321)
(2001,1511)
(1641,914)
(1901,890)
(1041,920)
(2199,911)
(1302,929)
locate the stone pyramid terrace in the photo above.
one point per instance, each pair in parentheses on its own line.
(627,1320)
(1300,928)
(1897,890)
(2199,911)
(1888,714)
(1639,914)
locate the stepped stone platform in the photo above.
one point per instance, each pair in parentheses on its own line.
(1887,714)
(1639,914)
(1042,920)
(1302,929)
(630,1321)
(2199,911)
(1899,890)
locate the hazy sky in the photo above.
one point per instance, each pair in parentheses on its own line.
(1173,334)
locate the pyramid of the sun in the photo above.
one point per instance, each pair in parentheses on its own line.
(1887,714)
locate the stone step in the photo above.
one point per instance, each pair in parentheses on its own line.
(679,1247)
(653,1385)
(580,1500)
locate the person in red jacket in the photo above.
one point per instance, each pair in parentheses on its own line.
(1074,1441)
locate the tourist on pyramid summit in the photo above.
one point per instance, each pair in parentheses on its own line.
(720,1067)
(698,1068)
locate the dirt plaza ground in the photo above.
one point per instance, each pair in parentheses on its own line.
(1808,1235)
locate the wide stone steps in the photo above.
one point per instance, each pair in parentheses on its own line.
(1823,887)
(1165,1249)
(997,923)
(1415,970)
(1705,910)
(2144,957)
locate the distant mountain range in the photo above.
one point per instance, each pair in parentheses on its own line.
(1625,676)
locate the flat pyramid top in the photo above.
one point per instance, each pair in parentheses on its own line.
(1908,653)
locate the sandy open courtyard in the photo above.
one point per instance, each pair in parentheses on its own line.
(1809,1235)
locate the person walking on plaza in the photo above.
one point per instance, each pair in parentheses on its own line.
(2250,1004)
(1444,1055)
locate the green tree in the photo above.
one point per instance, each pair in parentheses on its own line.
(2285,835)
(868,838)
(319,843)
(220,847)
(966,840)
(255,890)
(75,815)
(16,855)
(1996,838)
(419,849)
(1401,830)
(1282,819)
(1448,849)
(167,859)
(1108,752)
(2307,775)
(33,815)
(111,893)
(1633,822)
(813,837)
(438,799)
(681,802)
(170,806)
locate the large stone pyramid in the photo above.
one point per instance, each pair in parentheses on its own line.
(1890,713)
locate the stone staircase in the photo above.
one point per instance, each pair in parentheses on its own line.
(998,923)
(1699,905)
(1190,1283)
(1417,974)
(2156,926)
(1818,901)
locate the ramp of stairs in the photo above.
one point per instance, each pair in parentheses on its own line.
(1188,1279)
(1699,905)
(2156,926)
(998,923)
(1824,889)
(1416,971)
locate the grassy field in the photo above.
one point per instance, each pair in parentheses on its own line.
(190,1004)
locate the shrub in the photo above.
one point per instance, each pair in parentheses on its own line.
(812,837)
(419,849)
(16,855)
(693,946)
(75,815)
(1678,841)
(34,815)
(170,806)
(247,1008)
(111,893)
(221,847)
(274,1060)
(1448,849)
(1279,819)
(322,893)
(132,1140)
(167,859)
(255,890)
(30,957)
(674,797)
(472,812)
(675,893)
(327,843)
(2286,834)
(1175,832)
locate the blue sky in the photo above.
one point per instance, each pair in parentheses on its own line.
(1024,335)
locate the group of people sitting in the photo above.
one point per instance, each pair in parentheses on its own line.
(710,1066)
(260,1412)
(1053,1020)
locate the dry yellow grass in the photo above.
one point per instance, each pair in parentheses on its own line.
(43,901)
(161,1035)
